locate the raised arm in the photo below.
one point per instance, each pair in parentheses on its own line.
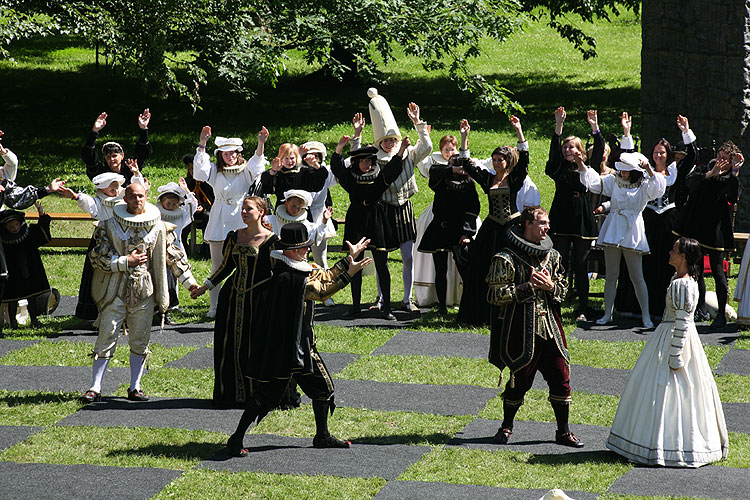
(597,156)
(143,148)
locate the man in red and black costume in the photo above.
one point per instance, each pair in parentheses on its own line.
(526,284)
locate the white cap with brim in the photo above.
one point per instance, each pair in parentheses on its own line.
(227,144)
(103,181)
(171,188)
(315,147)
(305,196)
(630,162)
(384,124)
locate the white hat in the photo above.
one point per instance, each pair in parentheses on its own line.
(315,147)
(171,188)
(305,196)
(227,144)
(555,494)
(630,161)
(102,181)
(384,125)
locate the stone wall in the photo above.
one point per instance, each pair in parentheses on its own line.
(696,62)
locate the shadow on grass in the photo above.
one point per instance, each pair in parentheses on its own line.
(432,439)
(187,451)
(121,403)
(14,399)
(52,327)
(604,457)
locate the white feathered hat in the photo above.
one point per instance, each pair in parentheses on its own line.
(315,147)
(631,161)
(555,494)
(384,124)
(227,144)
(102,181)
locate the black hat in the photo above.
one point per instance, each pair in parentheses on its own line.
(294,235)
(10,215)
(368,152)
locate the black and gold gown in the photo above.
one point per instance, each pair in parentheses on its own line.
(247,270)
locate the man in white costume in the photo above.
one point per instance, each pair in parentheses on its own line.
(132,253)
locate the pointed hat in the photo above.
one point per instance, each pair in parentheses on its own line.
(384,125)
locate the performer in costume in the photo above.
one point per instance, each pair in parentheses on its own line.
(133,251)
(294,208)
(109,191)
(313,154)
(10,166)
(526,286)
(246,265)
(177,205)
(114,156)
(27,278)
(289,172)
(707,217)
(365,181)
(454,223)
(286,347)
(398,207)
(511,166)
(230,178)
(205,196)
(623,234)
(670,413)
(572,222)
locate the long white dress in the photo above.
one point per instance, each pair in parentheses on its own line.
(742,290)
(666,416)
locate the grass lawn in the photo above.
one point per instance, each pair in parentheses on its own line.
(50,99)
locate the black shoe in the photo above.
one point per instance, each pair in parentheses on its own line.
(442,310)
(700,316)
(235,449)
(330,442)
(719,323)
(168,319)
(136,395)
(90,397)
(502,436)
(388,315)
(351,313)
(568,439)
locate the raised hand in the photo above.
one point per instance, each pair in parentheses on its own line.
(342,142)
(405,143)
(357,266)
(358,122)
(355,250)
(263,135)
(100,122)
(39,208)
(682,124)
(2,149)
(627,122)
(132,164)
(327,214)
(593,120)
(560,116)
(276,164)
(413,113)
(183,185)
(144,118)
(516,124)
(302,150)
(55,185)
(205,135)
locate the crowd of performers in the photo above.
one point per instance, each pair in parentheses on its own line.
(659,214)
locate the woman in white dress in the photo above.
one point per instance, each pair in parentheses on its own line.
(670,413)
(230,177)
(623,233)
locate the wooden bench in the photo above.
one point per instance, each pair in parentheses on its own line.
(66,242)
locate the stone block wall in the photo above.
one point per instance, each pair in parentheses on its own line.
(695,61)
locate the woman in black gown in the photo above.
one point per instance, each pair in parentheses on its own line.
(246,266)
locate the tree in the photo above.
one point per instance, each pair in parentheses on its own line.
(177,46)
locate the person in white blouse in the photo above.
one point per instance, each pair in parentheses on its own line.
(622,233)
(230,177)
(10,168)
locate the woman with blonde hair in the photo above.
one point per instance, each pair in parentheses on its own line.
(571,216)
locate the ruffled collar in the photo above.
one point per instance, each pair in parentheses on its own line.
(148,218)
(622,183)
(367,177)
(297,265)
(517,241)
(170,215)
(234,169)
(284,218)
(110,201)
(14,239)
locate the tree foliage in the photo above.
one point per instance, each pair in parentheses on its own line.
(177,46)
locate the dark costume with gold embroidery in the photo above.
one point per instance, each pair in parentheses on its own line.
(490,238)
(236,316)
(527,333)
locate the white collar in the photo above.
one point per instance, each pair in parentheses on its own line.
(297,265)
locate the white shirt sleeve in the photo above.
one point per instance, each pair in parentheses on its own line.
(10,169)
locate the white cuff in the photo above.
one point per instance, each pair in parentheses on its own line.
(523,146)
(208,284)
(688,138)
(186,279)
(119,264)
(627,142)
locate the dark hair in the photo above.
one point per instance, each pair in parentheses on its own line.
(260,204)
(220,161)
(730,148)
(188,159)
(507,153)
(530,214)
(635,176)
(693,256)
(667,146)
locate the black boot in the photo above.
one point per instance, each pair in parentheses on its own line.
(323,438)
(563,435)
(506,428)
